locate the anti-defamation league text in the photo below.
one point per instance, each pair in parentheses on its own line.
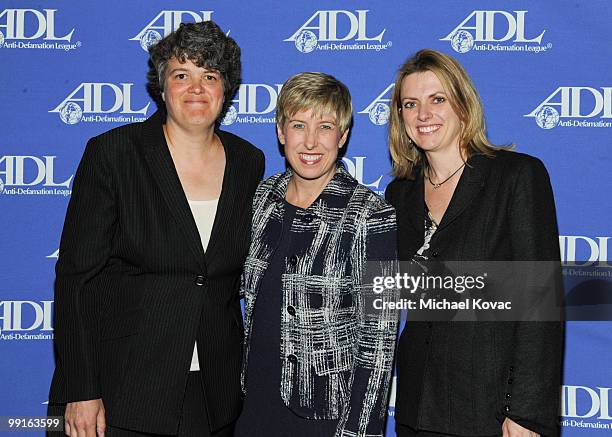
(36,191)
(41,45)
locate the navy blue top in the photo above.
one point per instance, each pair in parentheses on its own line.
(264,413)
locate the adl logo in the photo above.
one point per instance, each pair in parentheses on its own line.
(578,250)
(21,174)
(335,27)
(19,28)
(166,22)
(253,101)
(576,102)
(378,110)
(579,402)
(99,98)
(355,168)
(24,315)
(478,31)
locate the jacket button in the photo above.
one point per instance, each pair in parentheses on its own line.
(308,218)
(291,310)
(293,260)
(506,408)
(434,254)
(512,368)
(292,359)
(200,280)
(510,380)
(508,395)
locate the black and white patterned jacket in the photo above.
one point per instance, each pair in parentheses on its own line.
(336,351)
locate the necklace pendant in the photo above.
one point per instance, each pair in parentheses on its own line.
(436,186)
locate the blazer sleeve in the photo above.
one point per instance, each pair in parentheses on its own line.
(534,377)
(89,228)
(390,193)
(257,195)
(261,166)
(366,410)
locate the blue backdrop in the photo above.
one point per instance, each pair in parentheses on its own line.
(71,70)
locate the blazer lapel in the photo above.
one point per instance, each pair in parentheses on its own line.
(164,173)
(229,189)
(414,206)
(471,182)
(410,206)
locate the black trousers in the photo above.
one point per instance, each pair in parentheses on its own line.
(193,422)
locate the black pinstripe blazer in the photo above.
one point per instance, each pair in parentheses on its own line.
(134,288)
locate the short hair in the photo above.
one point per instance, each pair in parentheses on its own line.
(463,98)
(205,45)
(318,92)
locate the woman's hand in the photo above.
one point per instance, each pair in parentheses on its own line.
(512,429)
(85,419)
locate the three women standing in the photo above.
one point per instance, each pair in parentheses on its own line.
(157,231)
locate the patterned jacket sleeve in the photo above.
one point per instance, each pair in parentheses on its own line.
(375,250)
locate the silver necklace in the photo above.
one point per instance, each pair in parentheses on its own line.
(438,185)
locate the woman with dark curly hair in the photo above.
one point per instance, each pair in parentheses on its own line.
(148,329)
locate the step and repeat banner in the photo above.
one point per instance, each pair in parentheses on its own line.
(72,70)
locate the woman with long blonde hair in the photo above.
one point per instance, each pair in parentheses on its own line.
(459,198)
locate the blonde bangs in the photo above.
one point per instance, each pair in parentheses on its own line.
(318,92)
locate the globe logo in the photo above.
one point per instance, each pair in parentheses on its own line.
(462,41)
(71,113)
(306,41)
(379,114)
(547,117)
(1,39)
(149,38)
(230,116)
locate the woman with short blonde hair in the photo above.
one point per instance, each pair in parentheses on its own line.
(317,361)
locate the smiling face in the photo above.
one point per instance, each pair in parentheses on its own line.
(193,95)
(428,116)
(311,145)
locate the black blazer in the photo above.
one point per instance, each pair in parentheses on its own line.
(463,378)
(134,287)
